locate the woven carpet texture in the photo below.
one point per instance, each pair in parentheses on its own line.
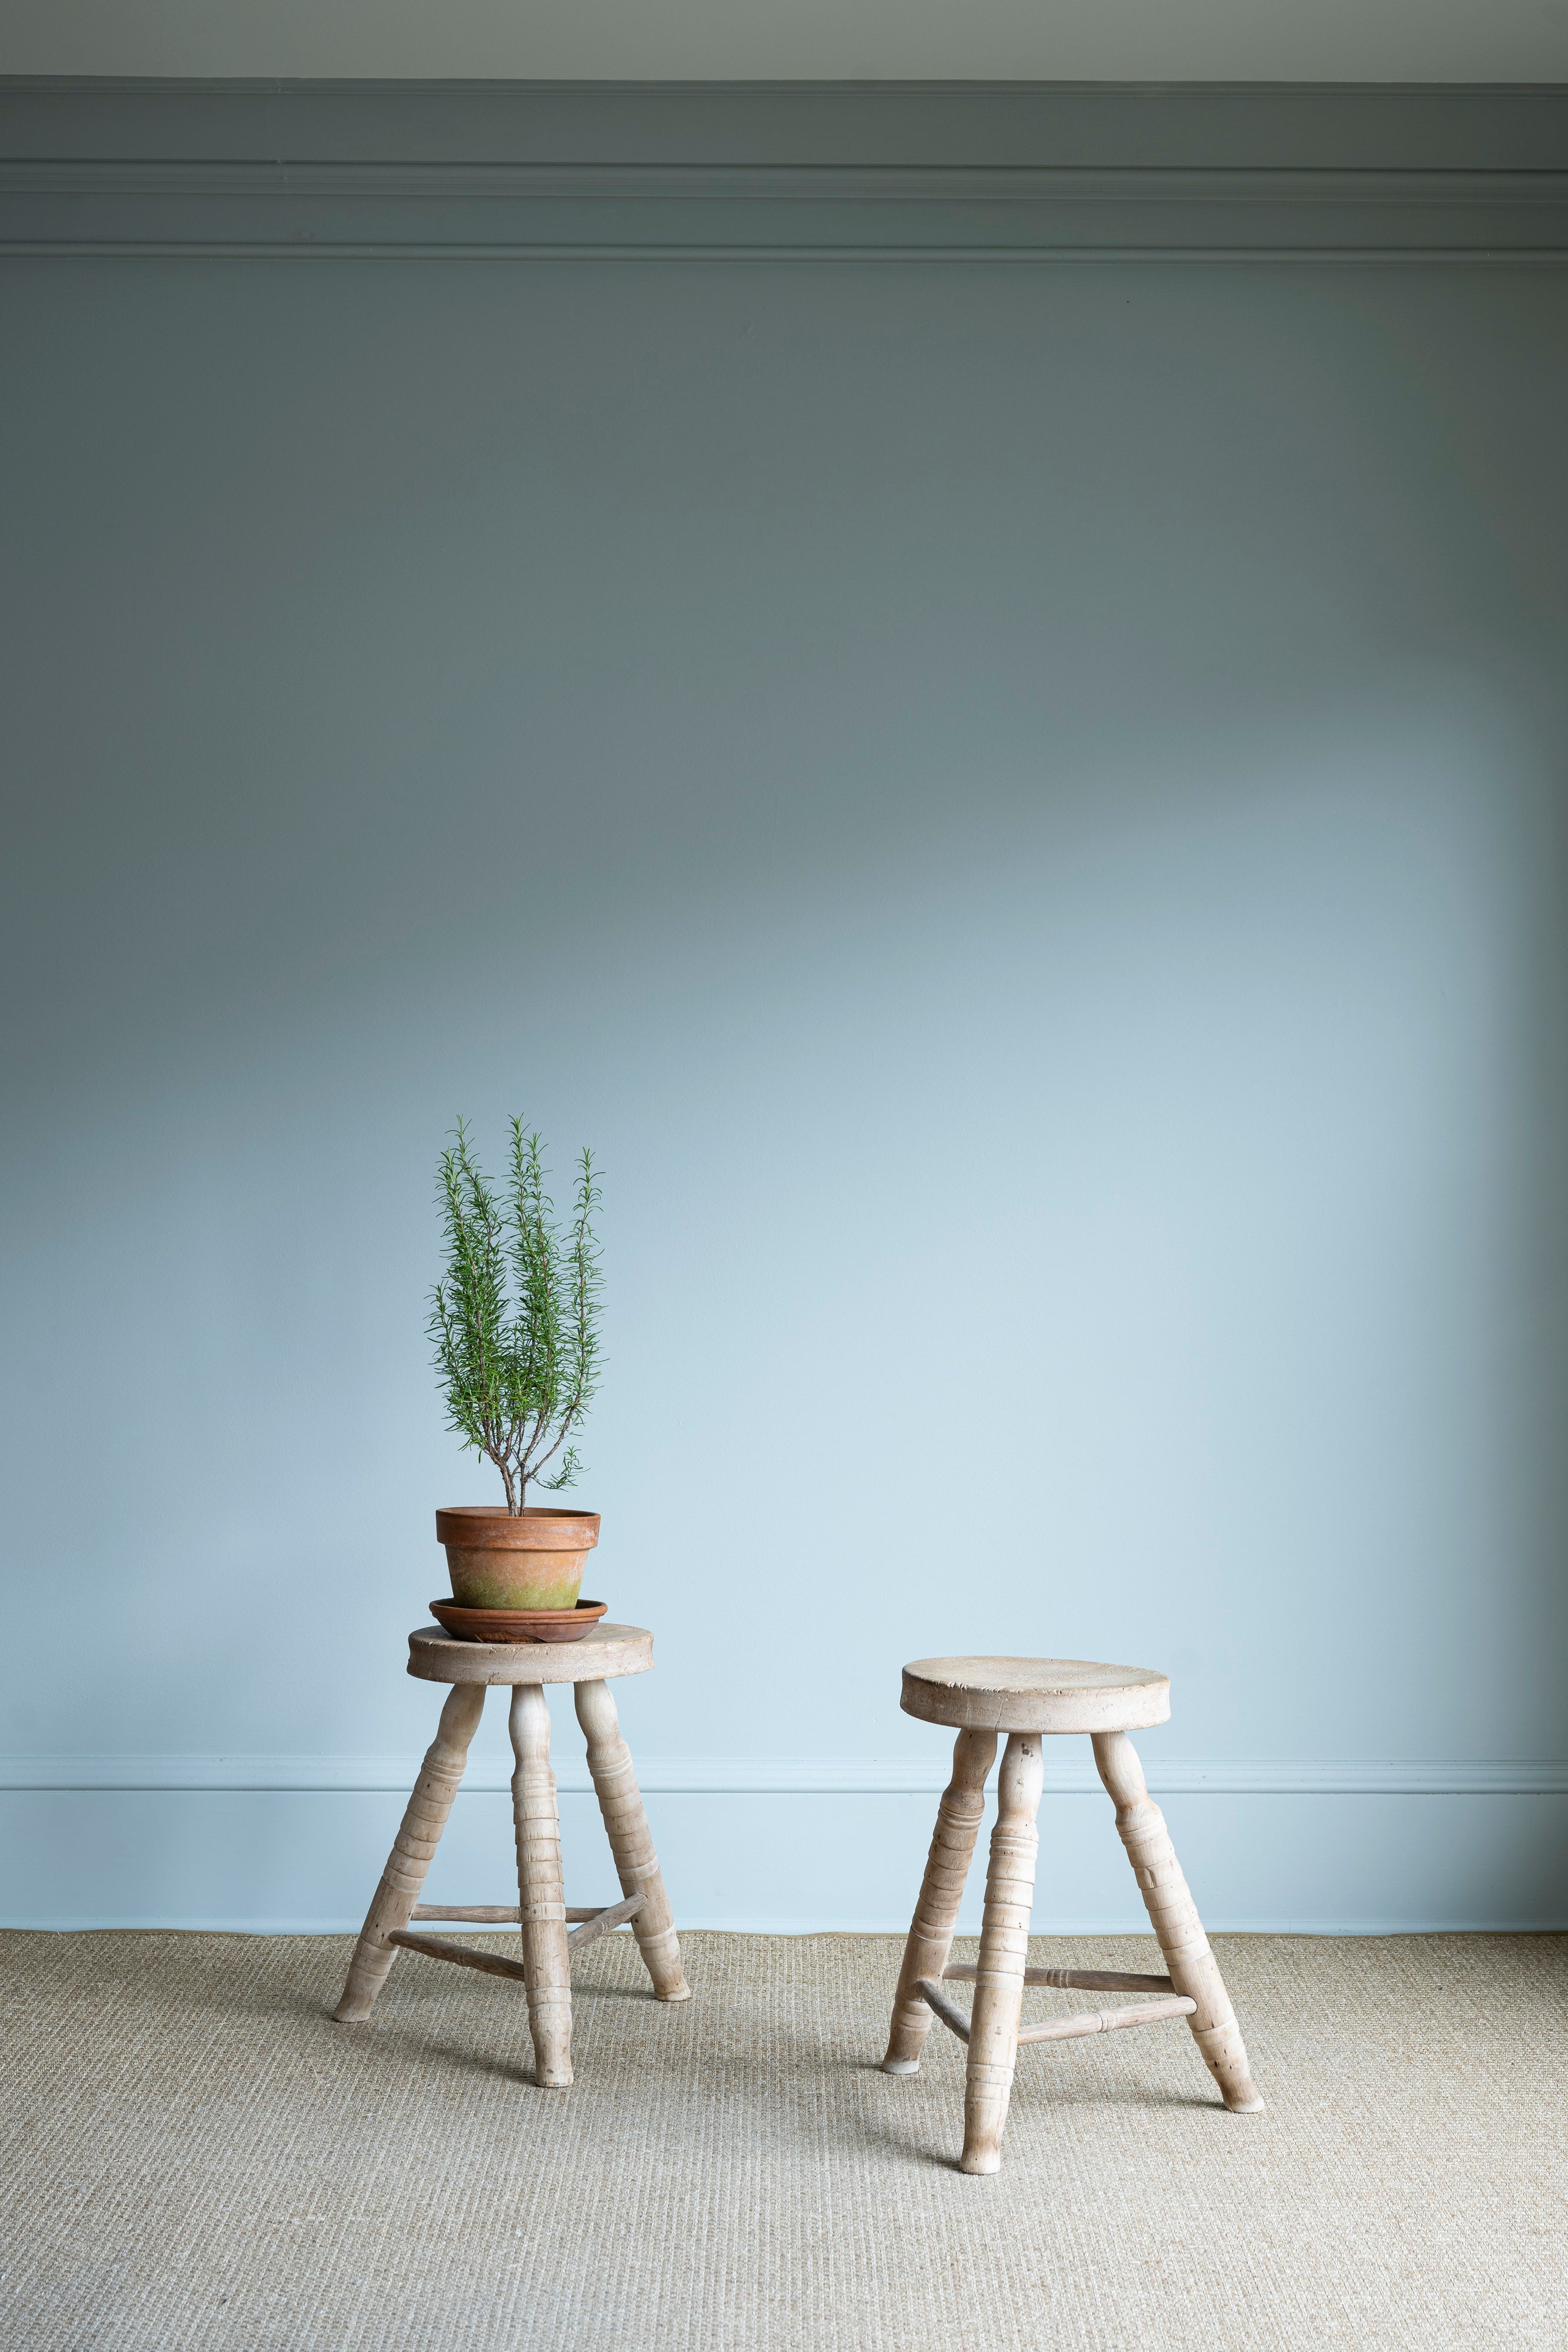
(198,2158)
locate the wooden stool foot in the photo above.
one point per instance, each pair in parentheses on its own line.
(1225,2056)
(930,1941)
(410,1859)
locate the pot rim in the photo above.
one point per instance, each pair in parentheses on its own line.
(481,1526)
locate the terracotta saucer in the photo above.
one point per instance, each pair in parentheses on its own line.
(519,1624)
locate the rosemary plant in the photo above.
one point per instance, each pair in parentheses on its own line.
(514,1318)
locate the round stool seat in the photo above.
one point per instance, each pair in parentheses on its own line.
(1034,1694)
(435,1656)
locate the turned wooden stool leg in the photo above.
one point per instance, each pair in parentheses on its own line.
(417,1840)
(930,1942)
(541,1898)
(631,1840)
(1194,1970)
(1004,1955)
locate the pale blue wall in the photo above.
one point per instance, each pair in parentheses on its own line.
(1019,809)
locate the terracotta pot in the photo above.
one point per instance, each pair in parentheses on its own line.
(533,1562)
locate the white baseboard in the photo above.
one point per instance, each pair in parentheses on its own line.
(1072,1774)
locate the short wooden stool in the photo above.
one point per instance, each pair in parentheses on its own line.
(541,1912)
(1027,1698)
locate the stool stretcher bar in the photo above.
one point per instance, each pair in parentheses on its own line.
(437,1948)
(493,1915)
(1059,2029)
(1106,2020)
(1068,1979)
(952,2016)
(600,1923)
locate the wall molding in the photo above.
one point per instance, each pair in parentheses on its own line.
(1072,1775)
(788,171)
(768,1923)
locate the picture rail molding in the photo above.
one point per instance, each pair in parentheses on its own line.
(784,172)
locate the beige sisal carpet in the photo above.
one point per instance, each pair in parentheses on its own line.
(197,2158)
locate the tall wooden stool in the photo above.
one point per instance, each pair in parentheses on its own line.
(1027,1698)
(541,1912)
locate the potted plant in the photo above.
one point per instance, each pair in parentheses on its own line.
(515,1322)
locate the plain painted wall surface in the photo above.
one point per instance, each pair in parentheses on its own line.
(1019,810)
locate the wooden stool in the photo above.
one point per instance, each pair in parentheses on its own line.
(541,1912)
(1027,1698)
